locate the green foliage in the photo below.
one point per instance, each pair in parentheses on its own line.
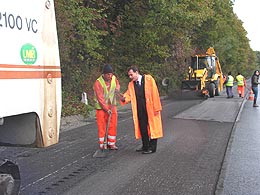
(258,59)
(80,51)
(157,35)
(73,106)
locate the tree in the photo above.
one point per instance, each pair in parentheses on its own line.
(157,35)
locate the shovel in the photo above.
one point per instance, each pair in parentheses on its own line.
(101,153)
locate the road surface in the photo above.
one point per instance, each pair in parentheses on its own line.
(188,160)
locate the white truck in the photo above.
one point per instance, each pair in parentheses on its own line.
(30,81)
(30,74)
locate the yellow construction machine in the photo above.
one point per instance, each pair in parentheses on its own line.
(205,74)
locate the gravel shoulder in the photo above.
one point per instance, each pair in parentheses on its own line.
(75,121)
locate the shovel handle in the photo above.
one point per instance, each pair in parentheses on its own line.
(108,123)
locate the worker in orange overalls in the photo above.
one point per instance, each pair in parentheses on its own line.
(143,94)
(105,104)
(241,84)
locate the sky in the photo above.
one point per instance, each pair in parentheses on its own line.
(248,11)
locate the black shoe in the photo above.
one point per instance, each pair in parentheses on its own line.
(147,152)
(139,149)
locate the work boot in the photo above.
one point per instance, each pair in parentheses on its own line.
(255,105)
(113,147)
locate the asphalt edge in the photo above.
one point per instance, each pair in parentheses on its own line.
(221,177)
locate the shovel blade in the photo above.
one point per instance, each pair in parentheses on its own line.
(100,154)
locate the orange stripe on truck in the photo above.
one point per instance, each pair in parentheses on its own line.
(29,74)
(28,66)
(8,71)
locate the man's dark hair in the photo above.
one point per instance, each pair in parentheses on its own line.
(133,68)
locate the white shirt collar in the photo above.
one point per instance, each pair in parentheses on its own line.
(139,78)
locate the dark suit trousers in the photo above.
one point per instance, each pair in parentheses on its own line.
(143,118)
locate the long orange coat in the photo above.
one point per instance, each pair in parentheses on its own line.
(153,105)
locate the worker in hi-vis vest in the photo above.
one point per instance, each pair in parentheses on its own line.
(241,84)
(229,85)
(105,103)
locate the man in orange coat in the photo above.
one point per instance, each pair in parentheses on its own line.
(105,104)
(143,94)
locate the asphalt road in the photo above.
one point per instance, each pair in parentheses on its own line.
(188,159)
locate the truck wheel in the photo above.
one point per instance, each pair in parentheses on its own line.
(211,90)
(10,180)
(6,184)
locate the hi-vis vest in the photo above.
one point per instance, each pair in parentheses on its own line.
(230,81)
(240,80)
(107,95)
